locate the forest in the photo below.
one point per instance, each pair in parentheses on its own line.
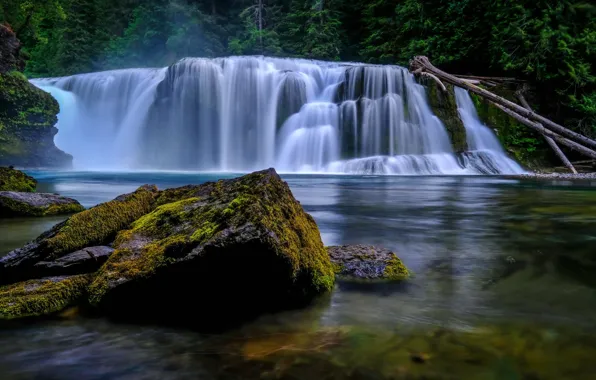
(551,45)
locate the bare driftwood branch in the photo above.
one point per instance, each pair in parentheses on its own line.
(422,64)
(540,128)
(433,77)
(548,139)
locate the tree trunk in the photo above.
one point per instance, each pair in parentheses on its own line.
(549,140)
(261,24)
(540,128)
(421,64)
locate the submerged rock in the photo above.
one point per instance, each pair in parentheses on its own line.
(36,204)
(46,296)
(362,262)
(15,180)
(216,251)
(87,260)
(95,226)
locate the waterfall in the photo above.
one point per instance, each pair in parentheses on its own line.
(245,113)
(486,153)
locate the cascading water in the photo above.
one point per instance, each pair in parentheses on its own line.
(486,153)
(247,113)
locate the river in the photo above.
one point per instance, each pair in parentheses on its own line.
(504,288)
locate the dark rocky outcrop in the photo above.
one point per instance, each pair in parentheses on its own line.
(95,226)
(42,297)
(217,251)
(362,262)
(36,204)
(444,107)
(15,180)
(87,260)
(27,114)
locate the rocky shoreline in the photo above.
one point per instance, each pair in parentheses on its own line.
(554,176)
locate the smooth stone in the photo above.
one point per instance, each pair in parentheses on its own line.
(363,262)
(36,204)
(87,260)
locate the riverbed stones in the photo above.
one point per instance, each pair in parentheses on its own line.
(219,250)
(15,180)
(41,297)
(14,204)
(93,227)
(364,262)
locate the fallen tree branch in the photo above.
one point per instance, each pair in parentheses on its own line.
(540,128)
(433,77)
(548,139)
(422,64)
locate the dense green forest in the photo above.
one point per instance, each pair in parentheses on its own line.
(552,44)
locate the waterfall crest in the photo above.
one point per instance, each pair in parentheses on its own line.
(246,113)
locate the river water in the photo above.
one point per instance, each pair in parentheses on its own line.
(504,288)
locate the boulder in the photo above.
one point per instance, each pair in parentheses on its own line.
(93,227)
(36,204)
(363,262)
(46,296)
(87,260)
(217,252)
(15,180)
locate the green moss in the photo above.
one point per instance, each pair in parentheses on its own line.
(174,229)
(27,118)
(99,224)
(11,207)
(41,297)
(445,108)
(396,270)
(15,180)
(525,145)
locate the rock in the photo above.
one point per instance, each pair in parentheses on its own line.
(87,260)
(216,252)
(27,114)
(362,262)
(95,226)
(444,106)
(36,204)
(36,298)
(16,180)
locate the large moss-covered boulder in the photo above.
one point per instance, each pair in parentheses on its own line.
(93,227)
(15,180)
(36,204)
(221,250)
(42,297)
(365,263)
(444,107)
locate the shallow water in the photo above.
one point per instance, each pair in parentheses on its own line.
(504,289)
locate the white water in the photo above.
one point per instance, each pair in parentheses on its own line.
(486,153)
(247,113)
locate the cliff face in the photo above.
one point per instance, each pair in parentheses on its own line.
(27,114)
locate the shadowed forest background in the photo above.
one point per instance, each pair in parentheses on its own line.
(550,44)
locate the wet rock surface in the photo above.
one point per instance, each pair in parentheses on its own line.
(36,204)
(363,262)
(87,260)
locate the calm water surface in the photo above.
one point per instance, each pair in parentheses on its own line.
(505,288)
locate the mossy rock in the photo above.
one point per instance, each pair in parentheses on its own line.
(42,297)
(15,180)
(225,249)
(93,227)
(367,263)
(27,118)
(444,107)
(36,204)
